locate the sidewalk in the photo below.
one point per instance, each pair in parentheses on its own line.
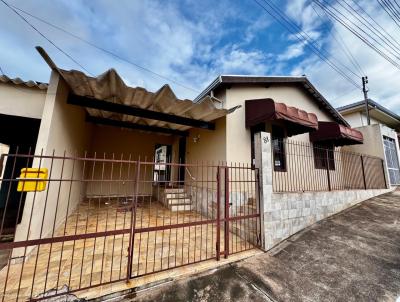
(352,256)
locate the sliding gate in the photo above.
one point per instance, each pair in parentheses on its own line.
(70,223)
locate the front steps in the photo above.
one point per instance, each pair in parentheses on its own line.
(176,199)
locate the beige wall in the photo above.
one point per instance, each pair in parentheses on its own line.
(62,128)
(112,142)
(373,142)
(373,134)
(372,145)
(206,147)
(21,101)
(238,137)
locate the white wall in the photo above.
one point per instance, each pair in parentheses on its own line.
(386,131)
(63,128)
(4,149)
(21,101)
(358,119)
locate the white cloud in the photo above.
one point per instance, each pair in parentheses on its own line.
(255,28)
(292,51)
(236,60)
(155,34)
(383,77)
(190,48)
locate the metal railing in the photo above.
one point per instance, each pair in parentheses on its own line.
(302,166)
(102,219)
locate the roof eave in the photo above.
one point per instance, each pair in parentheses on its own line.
(319,96)
(238,79)
(214,84)
(372,104)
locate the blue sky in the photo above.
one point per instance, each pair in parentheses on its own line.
(192,42)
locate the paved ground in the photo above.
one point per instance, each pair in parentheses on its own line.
(352,256)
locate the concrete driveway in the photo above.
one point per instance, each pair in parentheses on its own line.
(352,256)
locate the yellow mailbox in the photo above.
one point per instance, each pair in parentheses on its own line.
(32,179)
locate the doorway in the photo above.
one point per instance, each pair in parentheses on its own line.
(20,135)
(162,159)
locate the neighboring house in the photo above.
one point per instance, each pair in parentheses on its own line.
(21,109)
(381,138)
(135,182)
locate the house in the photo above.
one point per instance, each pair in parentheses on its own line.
(381,137)
(308,108)
(124,182)
(21,107)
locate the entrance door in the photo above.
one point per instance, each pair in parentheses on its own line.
(392,160)
(162,156)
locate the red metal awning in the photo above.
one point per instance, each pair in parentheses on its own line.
(337,134)
(297,121)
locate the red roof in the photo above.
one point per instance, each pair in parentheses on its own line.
(338,134)
(297,121)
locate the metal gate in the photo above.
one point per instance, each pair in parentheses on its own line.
(213,213)
(75,222)
(392,160)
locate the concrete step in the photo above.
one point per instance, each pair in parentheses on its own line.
(171,201)
(174,190)
(180,207)
(175,195)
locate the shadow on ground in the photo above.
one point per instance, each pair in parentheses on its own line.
(352,256)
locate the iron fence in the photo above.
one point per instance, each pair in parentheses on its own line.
(77,222)
(302,166)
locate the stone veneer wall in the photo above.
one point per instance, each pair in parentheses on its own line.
(284,214)
(204,201)
(288,213)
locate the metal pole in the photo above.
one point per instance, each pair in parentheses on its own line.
(387,186)
(133,224)
(365,91)
(363,172)
(218,239)
(327,169)
(226,224)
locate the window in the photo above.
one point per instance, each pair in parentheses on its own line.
(392,161)
(324,154)
(278,148)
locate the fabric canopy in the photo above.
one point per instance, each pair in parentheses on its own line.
(339,135)
(297,121)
